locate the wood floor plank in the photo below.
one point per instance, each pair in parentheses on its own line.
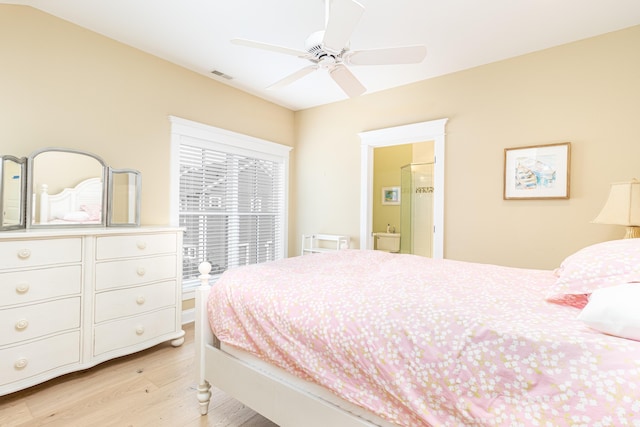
(15,414)
(155,388)
(87,410)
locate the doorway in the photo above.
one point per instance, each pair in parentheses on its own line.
(406,134)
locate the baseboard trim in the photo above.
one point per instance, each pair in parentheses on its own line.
(188,316)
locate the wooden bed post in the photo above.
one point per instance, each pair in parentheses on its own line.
(203,336)
(44,204)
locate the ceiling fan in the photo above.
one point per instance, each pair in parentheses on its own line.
(329,49)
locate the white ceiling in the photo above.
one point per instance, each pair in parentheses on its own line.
(459,34)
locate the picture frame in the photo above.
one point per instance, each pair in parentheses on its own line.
(390,195)
(537,172)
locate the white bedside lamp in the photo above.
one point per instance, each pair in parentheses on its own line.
(623,207)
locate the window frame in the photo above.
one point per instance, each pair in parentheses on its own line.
(211,137)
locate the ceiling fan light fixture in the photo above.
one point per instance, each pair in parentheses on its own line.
(328,49)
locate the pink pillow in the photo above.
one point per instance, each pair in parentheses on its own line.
(594,267)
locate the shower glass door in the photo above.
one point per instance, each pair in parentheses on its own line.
(416,209)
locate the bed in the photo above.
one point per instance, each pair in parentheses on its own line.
(369,338)
(81,204)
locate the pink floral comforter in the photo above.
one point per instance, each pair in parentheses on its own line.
(430,342)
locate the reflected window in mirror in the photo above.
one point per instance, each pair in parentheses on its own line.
(12,192)
(66,188)
(124,197)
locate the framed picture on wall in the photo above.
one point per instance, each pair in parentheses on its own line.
(537,172)
(390,195)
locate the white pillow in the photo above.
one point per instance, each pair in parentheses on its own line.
(614,310)
(76,216)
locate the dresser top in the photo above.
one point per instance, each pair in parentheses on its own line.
(83,231)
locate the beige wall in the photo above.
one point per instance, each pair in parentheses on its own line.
(585,92)
(64,86)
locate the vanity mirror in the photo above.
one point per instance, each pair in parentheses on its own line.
(124,197)
(65,187)
(12,192)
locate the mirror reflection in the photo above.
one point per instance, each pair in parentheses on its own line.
(12,188)
(67,188)
(124,197)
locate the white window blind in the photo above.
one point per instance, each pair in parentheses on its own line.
(232,205)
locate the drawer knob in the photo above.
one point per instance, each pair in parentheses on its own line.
(24,253)
(22,288)
(21,363)
(22,324)
(140,300)
(142,245)
(139,330)
(141,271)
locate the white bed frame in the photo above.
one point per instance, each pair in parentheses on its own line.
(52,206)
(277,395)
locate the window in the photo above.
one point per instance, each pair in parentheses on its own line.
(229,193)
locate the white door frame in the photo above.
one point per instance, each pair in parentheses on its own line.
(407,134)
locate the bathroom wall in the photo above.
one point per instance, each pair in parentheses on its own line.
(387,162)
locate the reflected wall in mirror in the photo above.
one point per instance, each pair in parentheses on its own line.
(65,188)
(124,197)
(12,192)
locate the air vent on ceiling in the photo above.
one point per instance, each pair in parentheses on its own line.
(221,74)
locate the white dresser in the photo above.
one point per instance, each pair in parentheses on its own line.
(72,298)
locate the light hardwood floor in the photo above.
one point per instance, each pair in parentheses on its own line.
(155,387)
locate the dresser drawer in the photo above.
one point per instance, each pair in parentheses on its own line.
(113,274)
(30,253)
(136,300)
(109,247)
(32,321)
(27,360)
(38,284)
(133,330)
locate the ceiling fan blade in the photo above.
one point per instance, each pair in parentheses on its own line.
(389,56)
(271,47)
(293,77)
(347,81)
(342,18)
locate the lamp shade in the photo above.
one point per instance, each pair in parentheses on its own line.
(623,205)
